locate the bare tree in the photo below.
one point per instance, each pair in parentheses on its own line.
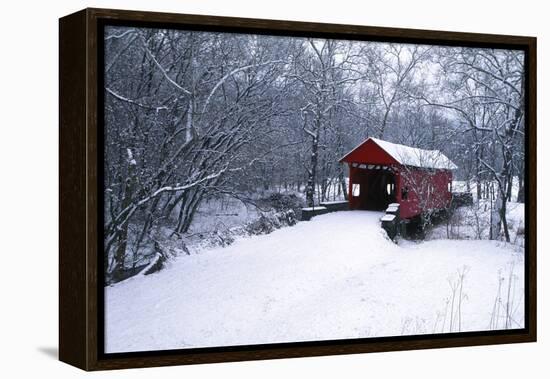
(393,72)
(192,116)
(324,68)
(485,88)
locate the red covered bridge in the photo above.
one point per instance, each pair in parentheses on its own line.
(382,172)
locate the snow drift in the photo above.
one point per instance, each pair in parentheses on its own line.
(337,276)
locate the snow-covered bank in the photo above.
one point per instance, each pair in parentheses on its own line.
(337,276)
(474,221)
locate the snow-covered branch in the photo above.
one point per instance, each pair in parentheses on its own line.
(163,71)
(134,102)
(230,74)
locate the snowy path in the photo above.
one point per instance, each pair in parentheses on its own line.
(334,277)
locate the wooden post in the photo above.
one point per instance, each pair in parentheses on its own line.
(350,187)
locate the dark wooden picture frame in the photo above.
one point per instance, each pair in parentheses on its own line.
(80,165)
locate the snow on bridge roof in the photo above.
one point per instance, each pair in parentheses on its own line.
(411,156)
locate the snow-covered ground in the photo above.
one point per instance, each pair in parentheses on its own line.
(473,222)
(337,276)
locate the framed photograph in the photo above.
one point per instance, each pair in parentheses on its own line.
(238,189)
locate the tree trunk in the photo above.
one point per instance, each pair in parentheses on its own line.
(189,203)
(342,181)
(147,225)
(479,154)
(310,187)
(510,181)
(494,229)
(129,187)
(503,221)
(521,189)
(384,123)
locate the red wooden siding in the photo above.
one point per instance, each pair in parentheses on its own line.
(369,152)
(427,191)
